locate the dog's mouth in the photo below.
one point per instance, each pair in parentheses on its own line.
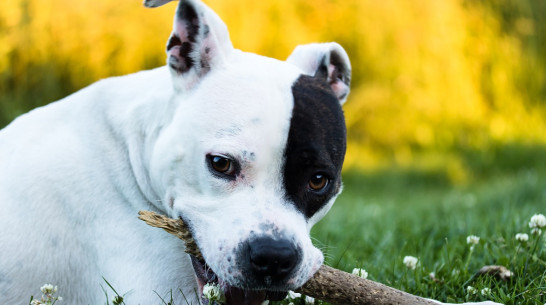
(233,295)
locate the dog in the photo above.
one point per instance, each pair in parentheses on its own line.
(247,150)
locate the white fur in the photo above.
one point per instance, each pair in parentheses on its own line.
(71,180)
(74,174)
(256,137)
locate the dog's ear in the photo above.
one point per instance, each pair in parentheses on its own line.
(326,60)
(199,42)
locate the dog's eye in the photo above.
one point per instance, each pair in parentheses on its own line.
(318,182)
(222,165)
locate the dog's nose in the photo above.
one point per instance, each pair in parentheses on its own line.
(273,258)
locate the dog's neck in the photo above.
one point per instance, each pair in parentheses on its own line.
(137,122)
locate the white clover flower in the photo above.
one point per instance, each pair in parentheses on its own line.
(360,272)
(472,240)
(486,291)
(537,221)
(536,231)
(471,290)
(293,295)
(411,262)
(522,237)
(309,300)
(48,289)
(213,292)
(47,298)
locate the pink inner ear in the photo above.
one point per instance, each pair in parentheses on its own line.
(191,46)
(331,70)
(340,88)
(180,31)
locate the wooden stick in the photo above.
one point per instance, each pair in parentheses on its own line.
(327,284)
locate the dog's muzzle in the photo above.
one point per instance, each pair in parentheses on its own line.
(265,263)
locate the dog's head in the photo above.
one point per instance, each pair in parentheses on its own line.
(252,157)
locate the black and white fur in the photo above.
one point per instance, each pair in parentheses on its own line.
(74,174)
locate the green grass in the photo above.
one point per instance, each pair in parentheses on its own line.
(385,215)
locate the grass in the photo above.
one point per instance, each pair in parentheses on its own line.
(385,215)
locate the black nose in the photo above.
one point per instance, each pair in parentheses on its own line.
(272,258)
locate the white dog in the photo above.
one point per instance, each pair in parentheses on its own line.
(247,150)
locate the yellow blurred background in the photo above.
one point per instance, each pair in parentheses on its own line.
(432,79)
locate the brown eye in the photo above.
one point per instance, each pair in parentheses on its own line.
(318,182)
(221,164)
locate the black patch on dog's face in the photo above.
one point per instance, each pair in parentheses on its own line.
(316,144)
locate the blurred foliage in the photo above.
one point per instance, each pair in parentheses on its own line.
(432,80)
